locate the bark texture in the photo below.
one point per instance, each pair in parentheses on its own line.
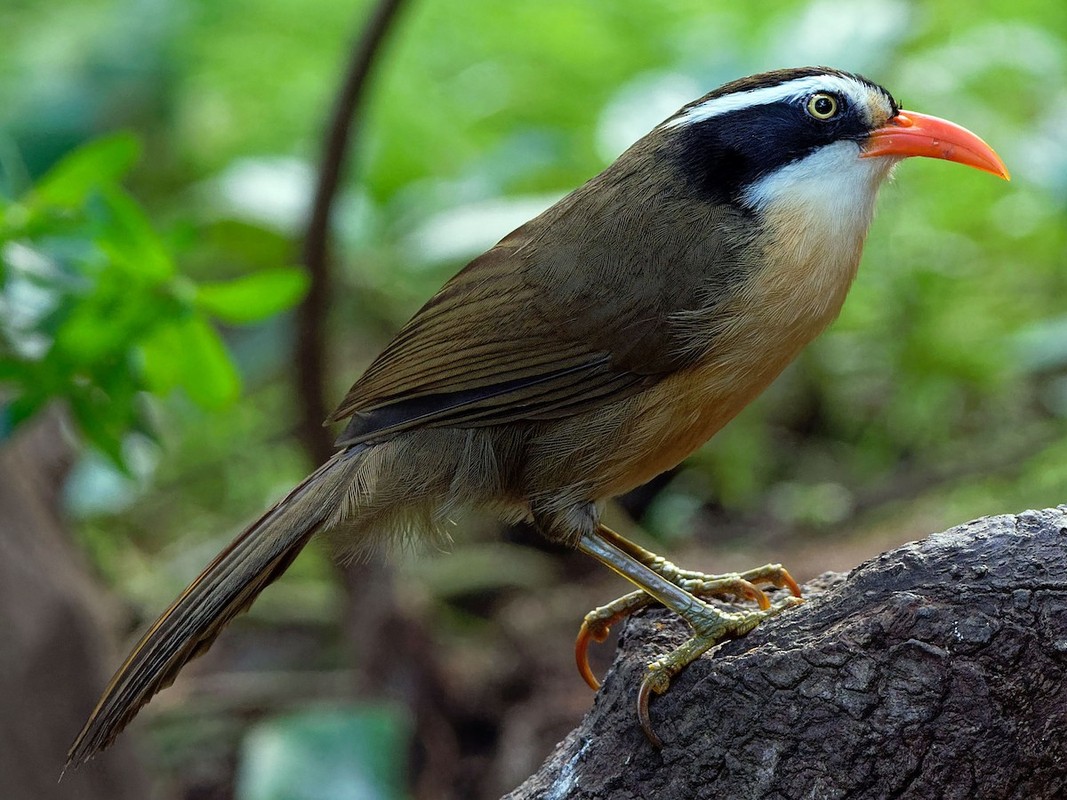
(933,671)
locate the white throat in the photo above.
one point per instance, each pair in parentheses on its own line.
(816,212)
(826,198)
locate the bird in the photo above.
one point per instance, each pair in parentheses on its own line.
(588,351)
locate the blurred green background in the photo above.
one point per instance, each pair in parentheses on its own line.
(157,159)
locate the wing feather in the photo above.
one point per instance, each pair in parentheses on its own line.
(557,319)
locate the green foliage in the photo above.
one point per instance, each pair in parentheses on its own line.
(340,754)
(100,164)
(254,297)
(95,310)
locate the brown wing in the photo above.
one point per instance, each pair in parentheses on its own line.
(486,349)
(569,312)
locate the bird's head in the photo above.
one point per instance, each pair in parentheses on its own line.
(814,135)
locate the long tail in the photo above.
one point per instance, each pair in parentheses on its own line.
(226,587)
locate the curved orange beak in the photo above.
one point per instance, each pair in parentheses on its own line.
(912,134)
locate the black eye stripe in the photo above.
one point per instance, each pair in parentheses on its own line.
(725,153)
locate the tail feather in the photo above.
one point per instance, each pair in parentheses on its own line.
(226,587)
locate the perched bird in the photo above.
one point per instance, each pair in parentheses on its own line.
(591,349)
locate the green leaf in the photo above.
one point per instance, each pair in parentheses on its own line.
(97,164)
(105,413)
(106,316)
(342,754)
(254,297)
(163,359)
(208,373)
(127,236)
(188,353)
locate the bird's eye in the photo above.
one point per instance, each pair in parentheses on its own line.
(822,106)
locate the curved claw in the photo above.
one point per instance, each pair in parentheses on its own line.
(789,583)
(648,686)
(753,592)
(586,634)
(777,576)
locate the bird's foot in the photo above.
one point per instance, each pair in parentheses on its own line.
(737,585)
(711,627)
(680,591)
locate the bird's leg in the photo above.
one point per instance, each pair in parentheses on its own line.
(678,590)
(769,574)
(598,622)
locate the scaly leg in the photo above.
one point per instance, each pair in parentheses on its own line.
(598,622)
(678,590)
(771,574)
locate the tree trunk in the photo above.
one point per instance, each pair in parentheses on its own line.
(54,638)
(933,671)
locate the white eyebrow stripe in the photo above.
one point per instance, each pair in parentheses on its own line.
(794,89)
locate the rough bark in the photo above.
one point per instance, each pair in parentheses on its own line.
(934,671)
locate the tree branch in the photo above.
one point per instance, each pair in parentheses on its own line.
(313,312)
(933,671)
